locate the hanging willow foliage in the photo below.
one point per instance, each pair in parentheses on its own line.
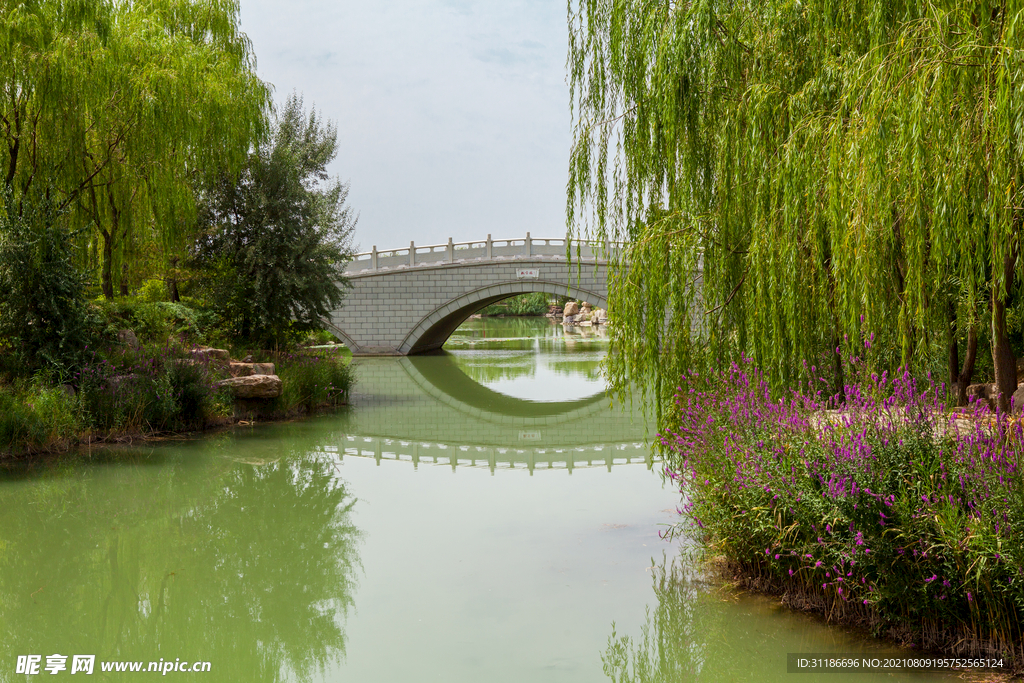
(121,107)
(793,177)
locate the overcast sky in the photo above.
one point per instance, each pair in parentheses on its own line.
(453,115)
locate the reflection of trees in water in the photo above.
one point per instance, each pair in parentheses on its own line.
(250,568)
(483,328)
(701,632)
(491,367)
(673,645)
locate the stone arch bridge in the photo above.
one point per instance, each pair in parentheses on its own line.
(409,301)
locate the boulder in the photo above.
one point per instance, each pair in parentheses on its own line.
(253,386)
(982,392)
(571,308)
(217,355)
(128,338)
(1018,400)
(598,316)
(236,369)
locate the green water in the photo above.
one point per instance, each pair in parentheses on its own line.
(482,515)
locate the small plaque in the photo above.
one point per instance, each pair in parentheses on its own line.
(529,436)
(528,272)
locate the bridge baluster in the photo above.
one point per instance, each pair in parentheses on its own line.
(373,258)
(528,247)
(412,253)
(451,251)
(490,246)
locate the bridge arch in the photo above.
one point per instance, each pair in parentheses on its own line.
(433,329)
(409,301)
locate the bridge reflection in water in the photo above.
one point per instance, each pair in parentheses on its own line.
(426,409)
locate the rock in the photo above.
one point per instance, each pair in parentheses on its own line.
(598,316)
(983,392)
(1020,370)
(1018,400)
(128,338)
(586,323)
(69,390)
(253,386)
(568,320)
(571,309)
(219,356)
(236,369)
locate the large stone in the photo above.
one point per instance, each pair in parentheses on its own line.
(983,392)
(253,386)
(236,369)
(598,316)
(571,308)
(1018,399)
(219,355)
(128,338)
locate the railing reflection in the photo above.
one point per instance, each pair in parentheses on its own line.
(494,457)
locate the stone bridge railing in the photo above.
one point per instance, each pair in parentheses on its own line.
(481,250)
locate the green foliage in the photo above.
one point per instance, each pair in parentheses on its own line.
(153,322)
(888,511)
(121,107)
(791,177)
(42,310)
(38,417)
(535,303)
(138,390)
(152,290)
(312,381)
(276,239)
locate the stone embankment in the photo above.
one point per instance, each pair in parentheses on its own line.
(248,382)
(579,315)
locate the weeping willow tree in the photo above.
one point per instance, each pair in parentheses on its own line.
(121,108)
(796,179)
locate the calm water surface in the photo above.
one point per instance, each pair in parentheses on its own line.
(482,515)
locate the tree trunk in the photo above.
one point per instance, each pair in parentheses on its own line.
(1002,355)
(108,247)
(967,372)
(960,377)
(107,282)
(172,281)
(124,278)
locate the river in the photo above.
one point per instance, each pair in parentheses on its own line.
(483,515)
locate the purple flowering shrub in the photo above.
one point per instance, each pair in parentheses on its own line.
(147,389)
(887,508)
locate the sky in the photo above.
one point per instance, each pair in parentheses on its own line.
(453,115)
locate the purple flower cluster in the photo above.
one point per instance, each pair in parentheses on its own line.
(888,501)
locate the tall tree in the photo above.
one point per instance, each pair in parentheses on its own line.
(122,107)
(275,240)
(818,172)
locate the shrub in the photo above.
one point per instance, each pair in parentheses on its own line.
(43,316)
(152,321)
(535,303)
(313,380)
(142,390)
(886,510)
(37,418)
